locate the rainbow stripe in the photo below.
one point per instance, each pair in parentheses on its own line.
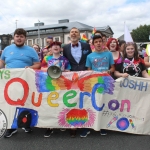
(113,120)
(77,117)
(84,38)
(93,32)
(131,122)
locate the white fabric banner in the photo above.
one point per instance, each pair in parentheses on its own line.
(85,99)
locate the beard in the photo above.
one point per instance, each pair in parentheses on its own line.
(74,39)
(19,45)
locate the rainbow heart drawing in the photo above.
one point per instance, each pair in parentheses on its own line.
(76,118)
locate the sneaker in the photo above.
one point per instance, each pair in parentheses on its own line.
(48,132)
(85,133)
(10,132)
(62,129)
(27,130)
(103,132)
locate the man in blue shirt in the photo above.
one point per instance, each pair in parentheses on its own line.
(100,60)
(19,55)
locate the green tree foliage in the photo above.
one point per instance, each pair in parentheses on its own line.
(141,34)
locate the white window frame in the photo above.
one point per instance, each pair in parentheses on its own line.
(12,41)
(31,40)
(57,37)
(37,42)
(45,41)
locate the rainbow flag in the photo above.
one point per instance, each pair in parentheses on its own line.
(94,30)
(84,38)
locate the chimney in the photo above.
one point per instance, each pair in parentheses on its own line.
(63,21)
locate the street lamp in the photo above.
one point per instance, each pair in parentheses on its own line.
(16,24)
(39,41)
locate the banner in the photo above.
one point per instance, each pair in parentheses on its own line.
(84,99)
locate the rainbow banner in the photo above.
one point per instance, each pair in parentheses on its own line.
(84,99)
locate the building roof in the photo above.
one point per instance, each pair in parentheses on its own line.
(121,37)
(68,25)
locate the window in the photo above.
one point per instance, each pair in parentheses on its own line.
(29,42)
(12,41)
(68,38)
(45,41)
(57,38)
(39,42)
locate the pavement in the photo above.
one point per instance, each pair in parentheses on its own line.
(60,140)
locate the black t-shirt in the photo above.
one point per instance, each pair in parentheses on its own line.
(131,66)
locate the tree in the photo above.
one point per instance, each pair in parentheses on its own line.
(141,33)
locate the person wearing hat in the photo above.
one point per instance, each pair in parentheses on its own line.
(58,60)
(55,58)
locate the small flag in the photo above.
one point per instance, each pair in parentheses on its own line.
(84,38)
(94,30)
(127,35)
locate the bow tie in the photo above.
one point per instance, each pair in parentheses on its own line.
(73,45)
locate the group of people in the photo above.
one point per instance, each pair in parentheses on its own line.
(102,55)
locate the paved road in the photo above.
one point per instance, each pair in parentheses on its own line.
(62,141)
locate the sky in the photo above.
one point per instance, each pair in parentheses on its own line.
(96,13)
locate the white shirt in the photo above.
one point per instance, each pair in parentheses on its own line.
(76,52)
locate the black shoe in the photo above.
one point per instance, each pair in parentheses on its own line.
(27,130)
(10,132)
(73,133)
(103,132)
(48,132)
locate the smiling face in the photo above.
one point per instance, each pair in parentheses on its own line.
(130,51)
(74,35)
(56,49)
(36,48)
(113,45)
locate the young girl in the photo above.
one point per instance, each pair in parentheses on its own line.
(131,63)
(58,60)
(55,58)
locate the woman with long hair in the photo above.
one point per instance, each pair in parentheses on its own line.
(113,46)
(131,63)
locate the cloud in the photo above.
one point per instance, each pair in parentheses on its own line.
(94,13)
